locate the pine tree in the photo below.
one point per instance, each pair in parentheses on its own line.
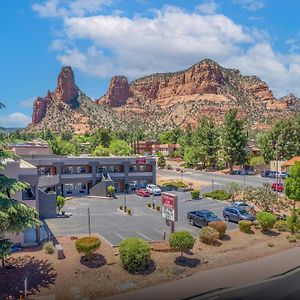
(15,216)
(161,162)
(234,140)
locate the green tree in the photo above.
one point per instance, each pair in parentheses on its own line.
(292,184)
(182,241)
(234,140)
(257,162)
(161,161)
(15,216)
(67,135)
(265,143)
(206,140)
(191,156)
(100,151)
(102,137)
(60,202)
(61,147)
(119,147)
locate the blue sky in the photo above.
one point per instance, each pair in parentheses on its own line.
(102,38)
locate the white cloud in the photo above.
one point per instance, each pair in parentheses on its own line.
(27,103)
(15,119)
(208,7)
(251,4)
(67,8)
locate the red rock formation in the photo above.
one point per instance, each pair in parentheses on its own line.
(66,90)
(118,92)
(40,107)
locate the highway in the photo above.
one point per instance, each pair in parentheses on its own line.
(218,180)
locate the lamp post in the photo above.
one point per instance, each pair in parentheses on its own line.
(89,221)
(125,204)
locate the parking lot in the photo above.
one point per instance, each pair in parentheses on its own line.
(116,226)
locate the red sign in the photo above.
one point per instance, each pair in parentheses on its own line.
(170,207)
(140,161)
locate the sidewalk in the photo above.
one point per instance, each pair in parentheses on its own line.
(225,277)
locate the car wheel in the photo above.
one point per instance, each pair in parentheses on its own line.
(227,219)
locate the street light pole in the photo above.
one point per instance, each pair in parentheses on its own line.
(125,204)
(89,221)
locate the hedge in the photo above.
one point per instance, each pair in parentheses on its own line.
(218,195)
(195,194)
(175,184)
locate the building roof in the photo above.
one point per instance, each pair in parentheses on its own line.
(292,161)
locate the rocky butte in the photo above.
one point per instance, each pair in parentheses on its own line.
(164,100)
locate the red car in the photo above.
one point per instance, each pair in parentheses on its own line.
(277,187)
(142,193)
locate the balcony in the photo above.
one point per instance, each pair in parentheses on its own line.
(48,180)
(140,174)
(77,176)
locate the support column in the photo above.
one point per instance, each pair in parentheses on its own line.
(153,164)
(126,165)
(94,165)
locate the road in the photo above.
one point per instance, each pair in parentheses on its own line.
(278,288)
(218,180)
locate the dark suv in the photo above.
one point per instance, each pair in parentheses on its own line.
(236,214)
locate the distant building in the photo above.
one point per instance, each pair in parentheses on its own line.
(288,164)
(273,165)
(145,147)
(35,147)
(165,149)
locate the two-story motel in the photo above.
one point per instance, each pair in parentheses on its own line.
(50,175)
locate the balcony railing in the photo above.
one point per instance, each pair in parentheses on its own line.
(48,180)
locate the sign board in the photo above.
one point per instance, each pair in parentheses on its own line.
(140,161)
(170,207)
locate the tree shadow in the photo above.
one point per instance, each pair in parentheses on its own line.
(96,261)
(270,232)
(187,261)
(225,237)
(39,274)
(150,269)
(217,243)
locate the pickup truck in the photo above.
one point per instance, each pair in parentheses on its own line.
(201,217)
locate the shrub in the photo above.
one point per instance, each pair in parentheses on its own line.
(157,207)
(270,245)
(129,211)
(87,245)
(293,222)
(218,195)
(255,223)
(245,226)
(208,235)
(291,239)
(220,226)
(149,204)
(121,207)
(297,236)
(181,240)
(49,248)
(134,254)
(60,202)
(281,225)
(111,190)
(195,194)
(266,220)
(175,184)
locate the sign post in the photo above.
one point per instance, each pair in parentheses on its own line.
(170,209)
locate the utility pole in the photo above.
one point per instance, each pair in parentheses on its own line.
(125,204)
(89,221)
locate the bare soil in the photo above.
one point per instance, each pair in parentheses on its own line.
(75,278)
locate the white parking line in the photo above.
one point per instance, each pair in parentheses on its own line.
(119,235)
(158,231)
(144,236)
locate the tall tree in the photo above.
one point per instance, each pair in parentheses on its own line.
(206,140)
(234,140)
(15,216)
(266,147)
(292,183)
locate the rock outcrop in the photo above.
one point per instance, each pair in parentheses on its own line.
(118,92)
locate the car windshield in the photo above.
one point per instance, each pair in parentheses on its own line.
(243,213)
(210,215)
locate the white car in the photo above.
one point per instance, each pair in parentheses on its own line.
(246,206)
(153,189)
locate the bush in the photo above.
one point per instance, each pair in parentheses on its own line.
(195,194)
(218,195)
(121,207)
(149,204)
(60,202)
(220,226)
(255,223)
(129,211)
(87,246)
(291,238)
(175,184)
(157,207)
(266,220)
(134,254)
(111,190)
(281,225)
(245,226)
(208,235)
(293,222)
(49,248)
(181,240)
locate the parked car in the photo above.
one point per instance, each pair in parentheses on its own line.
(278,187)
(153,189)
(282,175)
(236,214)
(133,185)
(265,173)
(142,193)
(177,169)
(244,205)
(273,174)
(202,217)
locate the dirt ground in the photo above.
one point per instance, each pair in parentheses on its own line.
(72,279)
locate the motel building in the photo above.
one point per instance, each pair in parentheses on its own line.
(50,175)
